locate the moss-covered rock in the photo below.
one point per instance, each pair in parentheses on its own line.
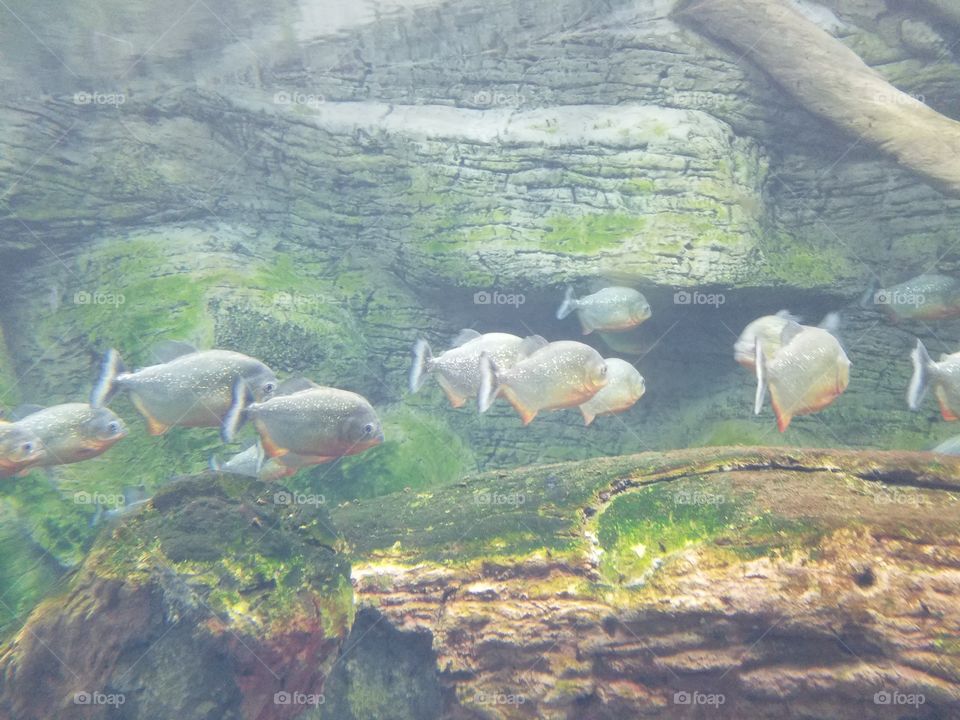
(213,598)
(618,587)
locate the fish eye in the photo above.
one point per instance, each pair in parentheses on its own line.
(603,369)
(368,429)
(27,447)
(269,387)
(113,427)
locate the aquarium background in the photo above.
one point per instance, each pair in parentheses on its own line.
(318,184)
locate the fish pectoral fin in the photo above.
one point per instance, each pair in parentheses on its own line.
(783,417)
(946,412)
(271,449)
(456,399)
(587,416)
(154,426)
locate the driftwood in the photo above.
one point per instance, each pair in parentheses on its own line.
(830,80)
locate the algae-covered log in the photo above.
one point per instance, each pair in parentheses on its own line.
(831,80)
(215,600)
(772,581)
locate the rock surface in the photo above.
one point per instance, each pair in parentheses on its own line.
(213,601)
(751,582)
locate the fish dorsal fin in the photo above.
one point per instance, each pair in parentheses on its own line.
(463,337)
(167,350)
(294,385)
(831,323)
(787,315)
(532,343)
(23,411)
(790,331)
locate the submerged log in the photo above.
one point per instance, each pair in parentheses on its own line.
(832,81)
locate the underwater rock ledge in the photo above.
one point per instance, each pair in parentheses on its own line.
(782,580)
(785,581)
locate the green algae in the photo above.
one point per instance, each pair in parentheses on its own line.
(590,234)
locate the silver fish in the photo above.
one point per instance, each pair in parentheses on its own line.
(189,389)
(19,449)
(458,369)
(613,308)
(943,376)
(562,374)
(807,373)
(926,297)
(71,432)
(624,387)
(768,330)
(317,423)
(252,463)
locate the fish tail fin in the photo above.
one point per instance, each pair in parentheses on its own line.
(922,367)
(110,369)
(236,416)
(422,360)
(214,464)
(489,383)
(568,305)
(761,366)
(97,516)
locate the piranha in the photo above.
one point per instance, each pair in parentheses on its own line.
(804,375)
(19,449)
(458,369)
(768,330)
(252,463)
(624,387)
(613,308)
(316,423)
(560,375)
(70,433)
(943,376)
(930,296)
(187,387)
